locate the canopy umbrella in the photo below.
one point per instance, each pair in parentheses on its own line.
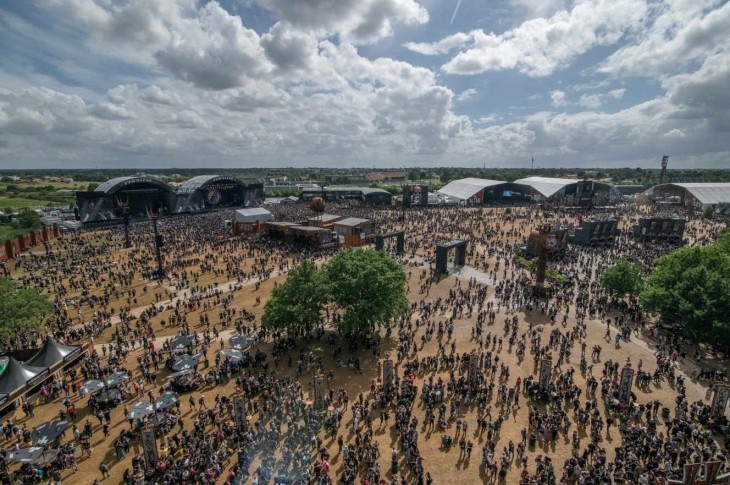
(47,432)
(182,341)
(46,458)
(185,362)
(241,342)
(93,386)
(116,379)
(109,395)
(181,373)
(165,401)
(26,455)
(232,354)
(140,410)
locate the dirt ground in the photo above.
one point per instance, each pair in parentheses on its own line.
(444,466)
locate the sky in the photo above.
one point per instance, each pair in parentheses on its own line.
(364,83)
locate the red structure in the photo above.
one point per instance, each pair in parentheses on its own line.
(12,248)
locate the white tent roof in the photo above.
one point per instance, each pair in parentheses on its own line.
(253,214)
(547,186)
(705,193)
(464,189)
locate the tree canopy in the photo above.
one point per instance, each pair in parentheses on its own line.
(623,278)
(368,286)
(296,304)
(20,308)
(28,219)
(690,287)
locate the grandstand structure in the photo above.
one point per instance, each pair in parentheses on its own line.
(141,196)
(364,195)
(476,191)
(693,195)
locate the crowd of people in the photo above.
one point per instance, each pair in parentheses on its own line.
(467,361)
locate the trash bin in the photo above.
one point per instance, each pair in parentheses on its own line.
(532,440)
(665,413)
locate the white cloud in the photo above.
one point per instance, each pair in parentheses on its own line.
(557,98)
(289,48)
(540,8)
(355,21)
(540,46)
(594,101)
(683,31)
(155,94)
(109,111)
(216,51)
(466,95)
(444,46)
(206,87)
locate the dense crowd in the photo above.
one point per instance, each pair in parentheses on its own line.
(121,302)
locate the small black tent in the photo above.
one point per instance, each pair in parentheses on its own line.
(17,375)
(52,353)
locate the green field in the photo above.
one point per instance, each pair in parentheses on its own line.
(21,203)
(8,232)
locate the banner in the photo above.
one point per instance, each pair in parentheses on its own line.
(149,447)
(473,370)
(240,414)
(546,370)
(388,375)
(719,402)
(319,392)
(624,388)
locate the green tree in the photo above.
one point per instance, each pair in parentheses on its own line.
(92,186)
(28,219)
(623,278)
(295,305)
(368,286)
(690,287)
(20,308)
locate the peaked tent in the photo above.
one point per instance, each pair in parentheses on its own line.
(17,375)
(52,353)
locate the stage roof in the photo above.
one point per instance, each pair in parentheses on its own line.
(547,186)
(113,185)
(464,189)
(200,181)
(705,193)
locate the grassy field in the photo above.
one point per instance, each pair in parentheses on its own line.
(20,195)
(16,203)
(8,232)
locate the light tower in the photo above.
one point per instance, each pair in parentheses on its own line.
(663,173)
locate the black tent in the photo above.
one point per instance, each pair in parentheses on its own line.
(17,375)
(52,353)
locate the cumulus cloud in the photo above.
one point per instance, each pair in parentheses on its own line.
(155,94)
(443,46)
(540,46)
(205,86)
(216,52)
(557,98)
(682,32)
(594,101)
(34,111)
(466,95)
(109,111)
(288,48)
(355,21)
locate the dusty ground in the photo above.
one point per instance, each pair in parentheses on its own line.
(445,467)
